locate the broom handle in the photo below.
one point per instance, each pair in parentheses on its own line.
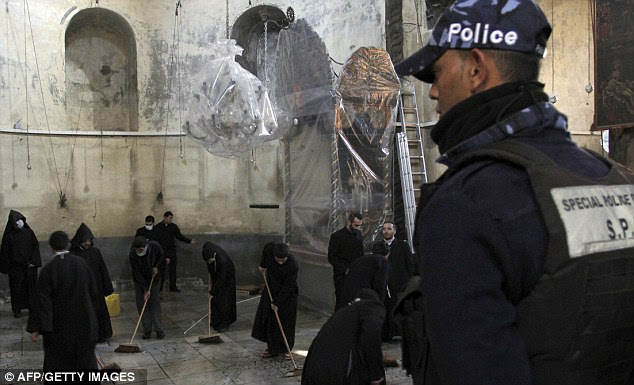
(142,310)
(279,322)
(99,362)
(209,305)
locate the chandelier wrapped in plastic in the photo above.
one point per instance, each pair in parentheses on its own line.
(230,111)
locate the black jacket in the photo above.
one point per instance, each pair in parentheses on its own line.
(142,265)
(344,247)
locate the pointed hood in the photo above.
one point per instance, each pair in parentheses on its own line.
(209,249)
(82,234)
(14,216)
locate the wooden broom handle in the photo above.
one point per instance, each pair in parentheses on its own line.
(142,310)
(279,322)
(209,306)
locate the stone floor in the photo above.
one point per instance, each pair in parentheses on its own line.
(179,358)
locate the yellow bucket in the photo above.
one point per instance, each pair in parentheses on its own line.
(114,304)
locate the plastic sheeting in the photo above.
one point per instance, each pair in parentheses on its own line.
(231,111)
(339,155)
(368,91)
(304,93)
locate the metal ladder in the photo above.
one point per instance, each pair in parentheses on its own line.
(411,157)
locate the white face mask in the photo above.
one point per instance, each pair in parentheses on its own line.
(142,253)
(20,223)
(149,227)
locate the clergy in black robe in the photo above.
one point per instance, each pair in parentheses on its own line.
(347,349)
(145,259)
(20,259)
(223,286)
(402,268)
(368,272)
(65,315)
(345,245)
(281,270)
(82,246)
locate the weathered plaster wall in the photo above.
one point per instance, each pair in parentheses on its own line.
(111,183)
(206,193)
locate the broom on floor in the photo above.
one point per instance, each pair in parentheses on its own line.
(110,368)
(130,347)
(209,338)
(296,371)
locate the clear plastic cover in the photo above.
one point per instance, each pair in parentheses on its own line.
(339,154)
(304,93)
(368,91)
(230,110)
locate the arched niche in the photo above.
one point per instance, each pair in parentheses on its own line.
(248,31)
(101,74)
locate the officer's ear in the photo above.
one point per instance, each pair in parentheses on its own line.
(481,71)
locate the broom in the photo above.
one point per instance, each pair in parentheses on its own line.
(130,347)
(209,338)
(207,315)
(296,371)
(110,368)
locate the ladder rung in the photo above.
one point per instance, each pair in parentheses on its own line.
(409,109)
(409,124)
(418,173)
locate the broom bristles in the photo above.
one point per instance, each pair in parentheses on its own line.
(128,348)
(294,373)
(210,339)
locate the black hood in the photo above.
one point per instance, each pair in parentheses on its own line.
(14,216)
(208,250)
(82,234)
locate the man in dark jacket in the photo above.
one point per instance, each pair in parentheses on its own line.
(223,286)
(167,234)
(368,272)
(148,230)
(345,245)
(145,259)
(20,258)
(402,269)
(82,246)
(347,349)
(65,315)
(281,270)
(522,257)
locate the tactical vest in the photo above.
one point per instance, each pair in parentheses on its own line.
(578,320)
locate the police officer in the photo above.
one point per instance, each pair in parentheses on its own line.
(525,242)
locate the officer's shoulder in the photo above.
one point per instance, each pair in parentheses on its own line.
(484,175)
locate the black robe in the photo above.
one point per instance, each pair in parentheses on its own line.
(370,271)
(223,286)
(402,268)
(92,256)
(20,248)
(65,315)
(347,349)
(282,280)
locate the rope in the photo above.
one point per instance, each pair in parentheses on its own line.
(180,94)
(100,50)
(553,98)
(159,197)
(227,17)
(26,92)
(81,104)
(37,66)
